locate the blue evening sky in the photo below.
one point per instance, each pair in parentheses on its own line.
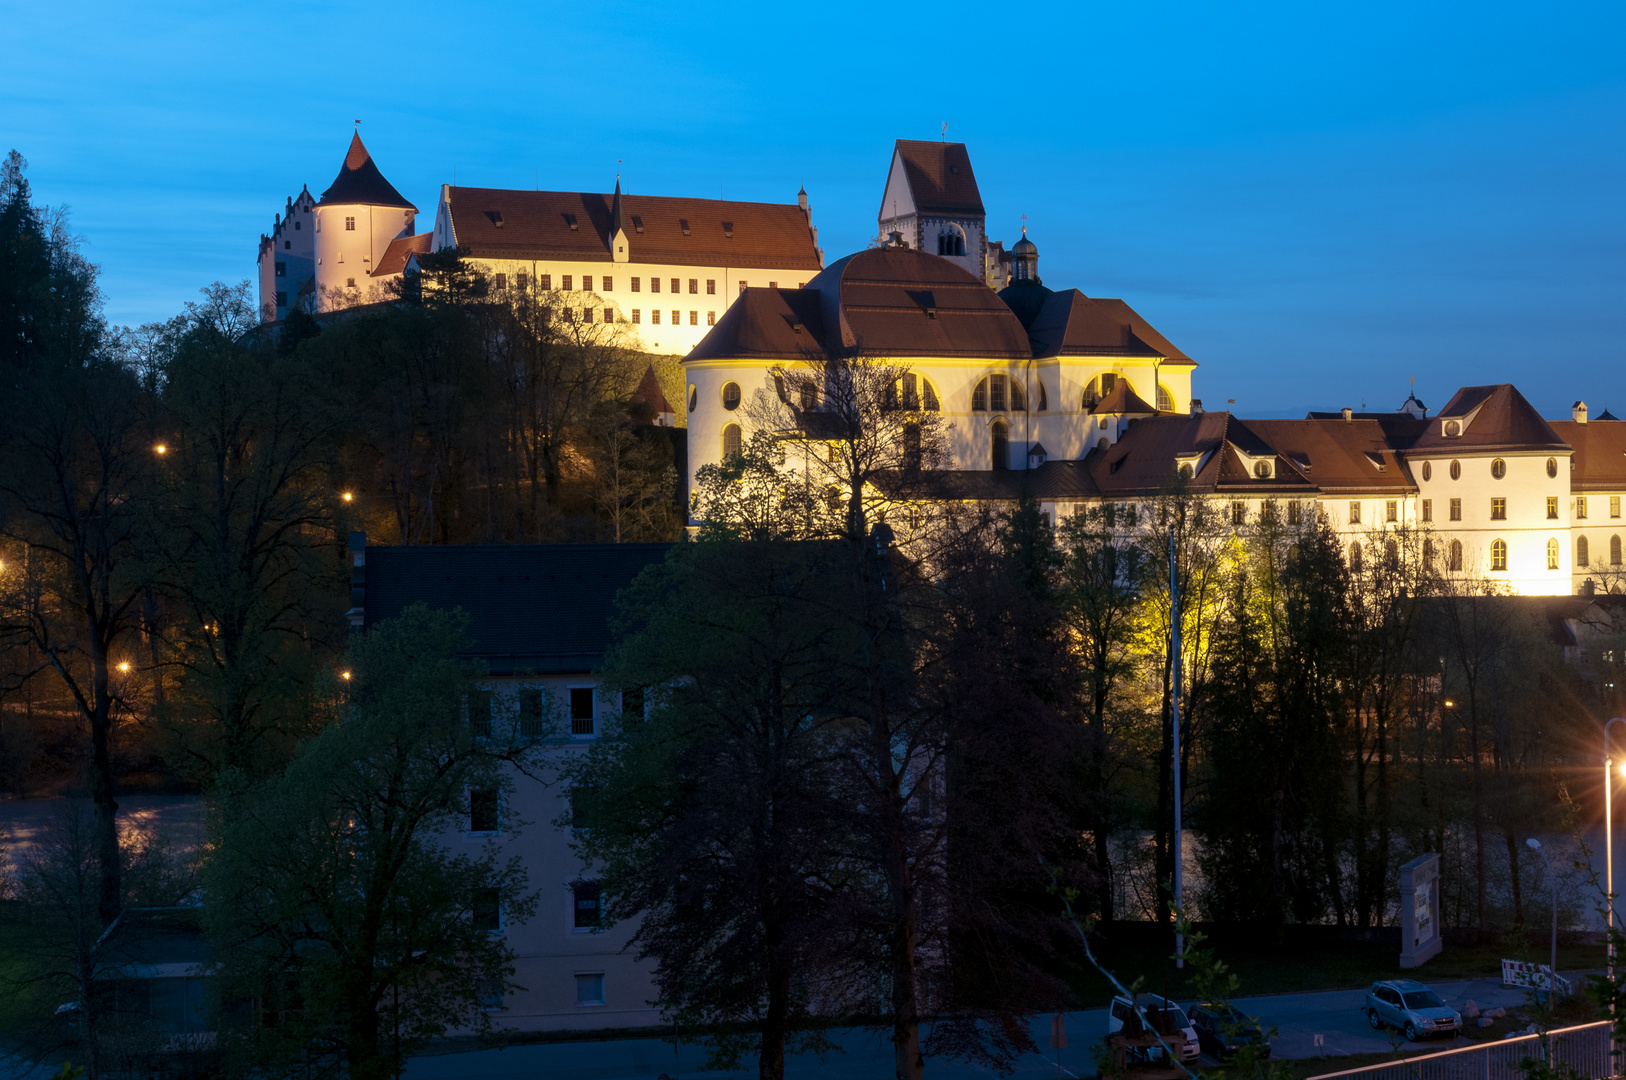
(1315,201)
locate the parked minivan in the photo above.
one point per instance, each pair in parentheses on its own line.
(1154,1012)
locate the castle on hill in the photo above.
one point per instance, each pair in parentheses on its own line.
(1074,399)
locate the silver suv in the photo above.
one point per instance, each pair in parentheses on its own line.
(1160,1015)
(1410,1006)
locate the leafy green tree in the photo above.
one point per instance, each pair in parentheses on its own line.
(715,821)
(337,901)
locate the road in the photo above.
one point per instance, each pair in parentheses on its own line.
(1335,1015)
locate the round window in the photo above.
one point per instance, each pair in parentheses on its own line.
(731,396)
(694,397)
(1261,469)
(1452,429)
(1498,468)
(1186,472)
(1456,470)
(1552,467)
(1428,470)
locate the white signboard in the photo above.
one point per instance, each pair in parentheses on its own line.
(1420,911)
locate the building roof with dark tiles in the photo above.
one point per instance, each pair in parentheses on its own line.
(506,223)
(648,392)
(402,248)
(940,178)
(1122,401)
(1488,418)
(766,324)
(540,608)
(359,182)
(1072,324)
(1338,456)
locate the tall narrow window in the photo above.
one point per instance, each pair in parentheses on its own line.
(1391,555)
(1581,554)
(731,441)
(581,710)
(484,811)
(564,281)
(1391,510)
(1165,400)
(1355,556)
(808,393)
(979,397)
(996,393)
(731,396)
(1552,508)
(911,447)
(637,284)
(677,285)
(1428,509)
(1614,551)
(544,282)
(677,318)
(480,713)
(609,284)
(1456,509)
(1293,512)
(711,286)
(1455,561)
(1428,553)
(349,224)
(1239,512)
(1498,468)
(1000,445)
(1498,555)
(485,910)
(1614,506)
(1498,509)
(1580,507)
(654,284)
(1552,554)
(694,286)
(1354,512)
(532,721)
(654,316)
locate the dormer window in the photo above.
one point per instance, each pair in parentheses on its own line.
(1451,429)
(570,220)
(728,230)
(637,225)
(683,223)
(496,218)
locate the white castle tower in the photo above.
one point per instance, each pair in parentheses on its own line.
(356,218)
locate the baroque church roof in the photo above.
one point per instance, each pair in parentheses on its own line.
(359,182)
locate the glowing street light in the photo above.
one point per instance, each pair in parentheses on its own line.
(160,449)
(348,496)
(345,675)
(124,665)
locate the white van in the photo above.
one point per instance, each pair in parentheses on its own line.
(1154,1012)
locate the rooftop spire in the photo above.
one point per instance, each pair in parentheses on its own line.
(360,183)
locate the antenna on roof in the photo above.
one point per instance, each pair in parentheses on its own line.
(945,131)
(358,125)
(1024,224)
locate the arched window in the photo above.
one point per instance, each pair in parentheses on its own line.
(1428,553)
(694,396)
(1044,398)
(1428,470)
(1552,467)
(731,441)
(1456,470)
(1355,556)
(731,396)
(1614,551)
(1165,400)
(1498,468)
(1455,562)
(1552,554)
(1001,444)
(1498,555)
(997,393)
(1582,555)
(951,241)
(1099,388)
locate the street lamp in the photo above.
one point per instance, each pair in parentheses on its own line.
(1552,970)
(1609,843)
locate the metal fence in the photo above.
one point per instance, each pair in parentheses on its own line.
(1584,1048)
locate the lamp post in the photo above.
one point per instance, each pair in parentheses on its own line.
(1552,970)
(1609,845)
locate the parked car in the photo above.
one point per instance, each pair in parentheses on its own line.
(1410,1006)
(1154,1012)
(1222,1031)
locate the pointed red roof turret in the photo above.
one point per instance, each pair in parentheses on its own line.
(360,183)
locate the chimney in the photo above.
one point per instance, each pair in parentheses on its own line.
(1349,414)
(1578,412)
(1196,406)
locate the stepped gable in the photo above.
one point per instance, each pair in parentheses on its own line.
(359,182)
(1072,324)
(766,324)
(1598,461)
(402,248)
(940,177)
(1337,455)
(504,223)
(1488,418)
(532,607)
(901,302)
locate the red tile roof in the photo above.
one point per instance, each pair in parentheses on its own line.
(394,259)
(359,182)
(503,223)
(1599,459)
(649,392)
(1072,324)
(940,178)
(767,324)
(1491,418)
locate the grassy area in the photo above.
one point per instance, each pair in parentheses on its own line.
(1297,958)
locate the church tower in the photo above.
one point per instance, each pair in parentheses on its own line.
(356,218)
